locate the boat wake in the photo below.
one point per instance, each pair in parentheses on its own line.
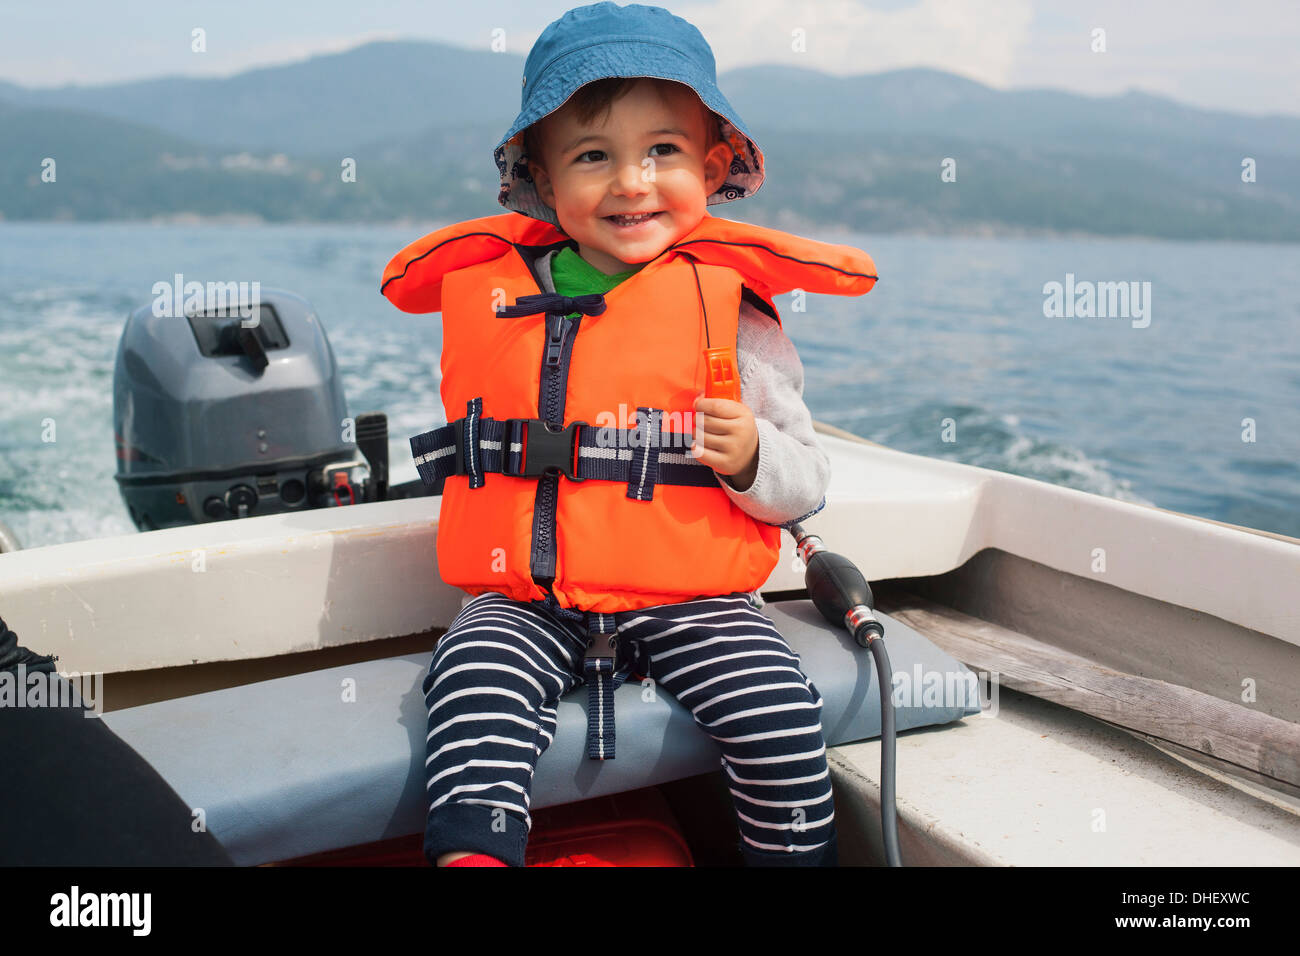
(987,440)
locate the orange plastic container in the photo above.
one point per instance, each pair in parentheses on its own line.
(625,829)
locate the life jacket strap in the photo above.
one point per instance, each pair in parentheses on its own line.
(643,469)
(604,669)
(641,457)
(600,667)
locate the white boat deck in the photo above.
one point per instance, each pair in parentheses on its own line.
(1041,785)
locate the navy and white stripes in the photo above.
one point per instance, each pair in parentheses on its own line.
(499,671)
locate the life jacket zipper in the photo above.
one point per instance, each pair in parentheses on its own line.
(555,341)
(554,384)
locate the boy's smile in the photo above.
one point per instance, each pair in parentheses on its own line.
(629,187)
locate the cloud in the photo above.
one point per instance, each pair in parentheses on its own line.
(1239,56)
(1236,57)
(980,39)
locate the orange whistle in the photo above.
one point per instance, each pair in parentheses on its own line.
(722,381)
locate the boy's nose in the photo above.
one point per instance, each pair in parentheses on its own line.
(631,179)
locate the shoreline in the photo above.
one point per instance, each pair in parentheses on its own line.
(828,232)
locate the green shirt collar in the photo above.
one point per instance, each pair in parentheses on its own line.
(574,275)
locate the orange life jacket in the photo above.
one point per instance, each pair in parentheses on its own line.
(650,525)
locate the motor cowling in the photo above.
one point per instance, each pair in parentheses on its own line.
(229,412)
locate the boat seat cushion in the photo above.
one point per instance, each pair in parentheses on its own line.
(334,758)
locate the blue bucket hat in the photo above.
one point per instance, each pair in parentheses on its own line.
(605,40)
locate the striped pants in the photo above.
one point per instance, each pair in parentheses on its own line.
(498,673)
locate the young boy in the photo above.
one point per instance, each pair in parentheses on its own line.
(602,515)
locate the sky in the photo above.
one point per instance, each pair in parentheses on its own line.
(1239,56)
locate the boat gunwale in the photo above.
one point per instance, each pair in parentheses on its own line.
(827,429)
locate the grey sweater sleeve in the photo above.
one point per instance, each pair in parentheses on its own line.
(793,468)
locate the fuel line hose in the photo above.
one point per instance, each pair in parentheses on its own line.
(843,597)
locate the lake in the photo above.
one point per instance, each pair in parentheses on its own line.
(1188,399)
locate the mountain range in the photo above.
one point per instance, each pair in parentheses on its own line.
(861,153)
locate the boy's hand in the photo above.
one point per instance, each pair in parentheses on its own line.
(726,439)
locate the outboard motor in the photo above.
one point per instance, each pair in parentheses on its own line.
(230,412)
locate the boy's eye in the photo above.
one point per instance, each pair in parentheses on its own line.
(600,152)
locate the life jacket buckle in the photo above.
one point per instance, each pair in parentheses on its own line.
(602,646)
(547,449)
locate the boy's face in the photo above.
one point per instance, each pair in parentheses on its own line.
(647,155)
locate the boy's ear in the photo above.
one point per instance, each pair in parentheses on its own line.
(717,163)
(542,182)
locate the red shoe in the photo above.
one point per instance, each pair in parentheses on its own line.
(476,859)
